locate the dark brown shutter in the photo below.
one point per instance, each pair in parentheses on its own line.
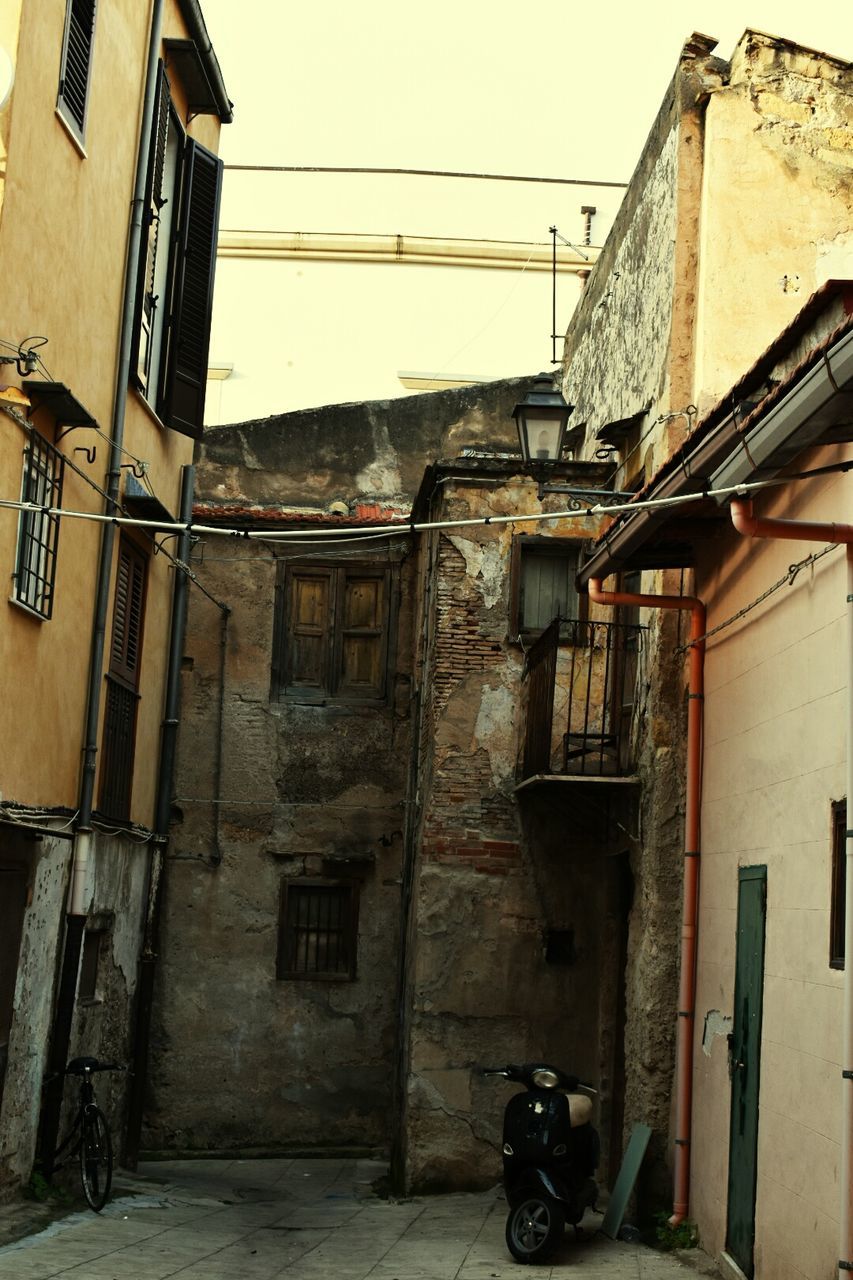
(195,262)
(77,61)
(363,633)
(155,198)
(126,649)
(309,629)
(122,699)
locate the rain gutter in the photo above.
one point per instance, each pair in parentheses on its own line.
(783,425)
(193,17)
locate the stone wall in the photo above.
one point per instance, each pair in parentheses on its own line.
(739,207)
(495,873)
(272,790)
(103,1024)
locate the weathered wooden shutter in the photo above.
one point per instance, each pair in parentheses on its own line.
(547,588)
(363,633)
(155,197)
(309,630)
(126,648)
(195,262)
(77,62)
(119,735)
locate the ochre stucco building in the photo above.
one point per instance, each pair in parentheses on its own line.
(109,174)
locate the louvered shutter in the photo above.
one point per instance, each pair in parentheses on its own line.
(126,648)
(189,326)
(155,197)
(122,697)
(77,62)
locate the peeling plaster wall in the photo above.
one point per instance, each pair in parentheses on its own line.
(304,791)
(102,1027)
(777,201)
(739,207)
(494,873)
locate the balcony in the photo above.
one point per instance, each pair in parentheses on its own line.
(581,678)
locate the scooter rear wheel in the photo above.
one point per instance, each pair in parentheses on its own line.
(534,1228)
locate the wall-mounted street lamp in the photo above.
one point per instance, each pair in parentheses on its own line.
(542,418)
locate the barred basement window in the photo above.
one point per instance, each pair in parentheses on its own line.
(73,100)
(318,930)
(38,532)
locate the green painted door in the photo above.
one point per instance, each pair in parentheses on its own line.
(745,1064)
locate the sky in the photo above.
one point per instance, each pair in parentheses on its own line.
(545,89)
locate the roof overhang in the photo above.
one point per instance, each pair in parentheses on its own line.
(812,405)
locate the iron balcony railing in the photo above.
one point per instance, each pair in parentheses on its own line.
(581,686)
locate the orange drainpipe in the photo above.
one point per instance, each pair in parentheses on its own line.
(807,531)
(687,981)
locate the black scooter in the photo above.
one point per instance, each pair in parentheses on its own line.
(550,1153)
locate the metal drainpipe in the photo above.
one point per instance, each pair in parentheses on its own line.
(687,980)
(752,526)
(165,777)
(77,902)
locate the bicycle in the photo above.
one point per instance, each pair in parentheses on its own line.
(89,1136)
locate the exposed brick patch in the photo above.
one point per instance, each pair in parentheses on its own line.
(461,647)
(484,855)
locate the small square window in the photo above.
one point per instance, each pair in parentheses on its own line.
(544,587)
(334,624)
(38,531)
(318,930)
(837,917)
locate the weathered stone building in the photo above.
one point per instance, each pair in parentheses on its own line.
(714,297)
(96,138)
(483,931)
(532,907)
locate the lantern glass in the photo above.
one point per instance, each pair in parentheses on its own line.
(542,418)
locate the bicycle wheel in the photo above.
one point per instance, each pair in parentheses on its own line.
(96,1158)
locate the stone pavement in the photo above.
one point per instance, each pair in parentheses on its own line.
(304,1220)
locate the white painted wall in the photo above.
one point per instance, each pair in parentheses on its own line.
(774,762)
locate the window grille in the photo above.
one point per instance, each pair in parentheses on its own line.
(38,531)
(318,927)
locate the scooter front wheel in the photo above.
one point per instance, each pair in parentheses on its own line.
(534,1228)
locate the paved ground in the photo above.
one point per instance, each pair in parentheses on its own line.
(304,1220)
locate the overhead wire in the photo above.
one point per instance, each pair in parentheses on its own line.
(787,580)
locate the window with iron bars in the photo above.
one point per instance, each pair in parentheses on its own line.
(318,929)
(38,531)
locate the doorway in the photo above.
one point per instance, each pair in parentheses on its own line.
(744,1062)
